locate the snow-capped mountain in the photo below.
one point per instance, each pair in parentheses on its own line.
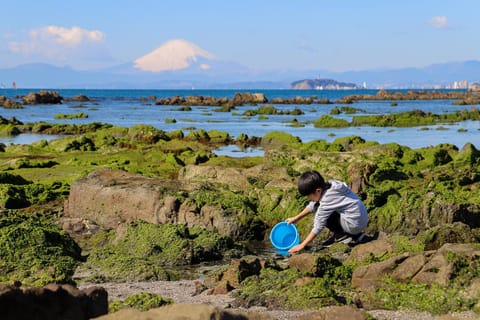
(174,55)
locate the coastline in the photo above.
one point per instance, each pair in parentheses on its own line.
(183,291)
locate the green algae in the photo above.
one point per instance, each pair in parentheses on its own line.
(290,289)
(431,298)
(79,115)
(141,301)
(145,250)
(326,121)
(35,251)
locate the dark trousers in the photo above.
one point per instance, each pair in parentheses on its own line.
(333,223)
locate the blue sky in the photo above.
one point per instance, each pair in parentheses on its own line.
(329,35)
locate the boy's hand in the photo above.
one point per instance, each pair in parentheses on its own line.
(290,220)
(296,249)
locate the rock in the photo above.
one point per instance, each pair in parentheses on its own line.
(182,311)
(359,175)
(371,276)
(376,248)
(235,178)
(429,267)
(239,270)
(457,232)
(42,97)
(437,270)
(52,302)
(79,98)
(110,198)
(409,268)
(304,262)
(9,103)
(335,313)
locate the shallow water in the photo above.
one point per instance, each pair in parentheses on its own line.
(132,107)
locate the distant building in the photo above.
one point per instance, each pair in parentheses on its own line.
(460,84)
(474,87)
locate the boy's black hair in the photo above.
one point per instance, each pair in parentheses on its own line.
(310,181)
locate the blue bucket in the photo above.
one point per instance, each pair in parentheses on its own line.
(284,236)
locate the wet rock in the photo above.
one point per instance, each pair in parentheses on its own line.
(52,302)
(43,97)
(79,98)
(9,103)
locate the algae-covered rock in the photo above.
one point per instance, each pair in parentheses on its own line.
(286,289)
(143,250)
(141,301)
(437,236)
(420,280)
(36,252)
(276,139)
(316,265)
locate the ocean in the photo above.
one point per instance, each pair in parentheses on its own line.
(131,107)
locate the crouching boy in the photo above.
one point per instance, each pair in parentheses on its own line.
(335,206)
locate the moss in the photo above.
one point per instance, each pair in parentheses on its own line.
(36,252)
(288,289)
(9,130)
(326,121)
(79,115)
(145,250)
(9,178)
(21,196)
(219,137)
(434,299)
(84,144)
(414,118)
(141,301)
(276,139)
(146,134)
(170,120)
(322,145)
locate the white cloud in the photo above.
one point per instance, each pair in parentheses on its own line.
(439,22)
(59,44)
(70,37)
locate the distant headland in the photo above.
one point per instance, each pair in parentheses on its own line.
(322,84)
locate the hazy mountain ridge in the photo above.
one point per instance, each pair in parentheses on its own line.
(178,64)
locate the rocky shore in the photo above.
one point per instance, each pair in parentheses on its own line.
(140,212)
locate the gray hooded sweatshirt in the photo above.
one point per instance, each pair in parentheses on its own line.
(339,198)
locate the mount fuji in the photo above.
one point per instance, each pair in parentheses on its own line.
(175,55)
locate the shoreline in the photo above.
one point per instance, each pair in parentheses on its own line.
(183,291)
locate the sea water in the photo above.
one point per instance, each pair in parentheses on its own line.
(132,107)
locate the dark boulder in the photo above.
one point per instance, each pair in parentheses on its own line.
(42,97)
(52,302)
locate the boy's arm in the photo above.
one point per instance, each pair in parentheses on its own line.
(299,216)
(304,243)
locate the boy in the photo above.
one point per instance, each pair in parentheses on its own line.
(335,206)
